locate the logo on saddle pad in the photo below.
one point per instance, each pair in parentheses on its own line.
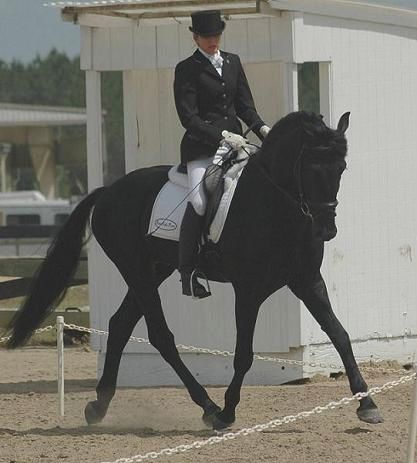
(166,224)
(171,201)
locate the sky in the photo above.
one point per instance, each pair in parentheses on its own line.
(28,28)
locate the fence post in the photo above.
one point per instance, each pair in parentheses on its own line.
(413,426)
(60,350)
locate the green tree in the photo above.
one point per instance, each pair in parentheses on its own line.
(309,87)
(53,80)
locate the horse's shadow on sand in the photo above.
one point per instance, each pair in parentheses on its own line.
(140,432)
(106,430)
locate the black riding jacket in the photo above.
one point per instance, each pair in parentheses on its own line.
(208,103)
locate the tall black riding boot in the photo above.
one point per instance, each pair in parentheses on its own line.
(188,246)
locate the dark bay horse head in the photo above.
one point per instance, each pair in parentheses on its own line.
(306,159)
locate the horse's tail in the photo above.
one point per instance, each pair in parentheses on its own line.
(53,275)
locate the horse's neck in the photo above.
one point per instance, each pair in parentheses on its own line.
(277,170)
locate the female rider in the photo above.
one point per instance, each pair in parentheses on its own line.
(211,92)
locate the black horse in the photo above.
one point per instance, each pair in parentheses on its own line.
(282,212)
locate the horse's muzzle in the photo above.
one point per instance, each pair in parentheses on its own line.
(325,225)
(329,234)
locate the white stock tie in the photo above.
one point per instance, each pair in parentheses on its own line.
(217,61)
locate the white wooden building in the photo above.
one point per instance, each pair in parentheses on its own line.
(365,60)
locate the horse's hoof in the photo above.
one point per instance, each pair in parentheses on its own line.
(219,424)
(213,417)
(369,415)
(210,413)
(217,421)
(92,415)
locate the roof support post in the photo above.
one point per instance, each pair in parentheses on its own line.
(290,87)
(131,123)
(96,258)
(94,130)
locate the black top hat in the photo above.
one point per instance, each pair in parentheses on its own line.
(207,23)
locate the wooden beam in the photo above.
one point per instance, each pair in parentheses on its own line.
(20,287)
(187,13)
(26,267)
(79,318)
(154,5)
(97,19)
(28,231)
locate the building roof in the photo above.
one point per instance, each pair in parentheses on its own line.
(106,13)
(20,115)
(392,12)
(400,4)
(153,9)
(376,5)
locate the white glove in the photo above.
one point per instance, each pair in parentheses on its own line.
(264,130)
(234,140)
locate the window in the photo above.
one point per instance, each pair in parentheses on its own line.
(309,87)
(23,219)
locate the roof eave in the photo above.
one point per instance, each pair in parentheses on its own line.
(122,15)
(349,9)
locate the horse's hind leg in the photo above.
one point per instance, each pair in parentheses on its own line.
(316,299)
(163,340)
(121,326)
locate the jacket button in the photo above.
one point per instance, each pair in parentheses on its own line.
(223,84)
(224,95)
(225,117)
(224,106)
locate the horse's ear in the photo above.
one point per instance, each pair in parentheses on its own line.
(343,124)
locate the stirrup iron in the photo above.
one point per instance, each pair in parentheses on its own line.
(198,274)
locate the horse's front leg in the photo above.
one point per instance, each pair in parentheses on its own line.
(246,313)
(315,297)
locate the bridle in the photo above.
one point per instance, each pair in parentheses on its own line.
(305,205)
(301,203)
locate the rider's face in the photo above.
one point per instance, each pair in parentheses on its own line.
(209,44)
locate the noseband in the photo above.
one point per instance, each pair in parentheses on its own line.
(305,205)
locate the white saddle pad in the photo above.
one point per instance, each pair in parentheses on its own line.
(171,202)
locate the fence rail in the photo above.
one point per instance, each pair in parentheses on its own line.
(23,269)
(28,231)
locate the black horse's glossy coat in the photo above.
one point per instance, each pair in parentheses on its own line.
(282,212)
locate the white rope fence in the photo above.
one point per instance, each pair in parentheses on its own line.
(264,426)
(225,353)
(39,331)
(222,437)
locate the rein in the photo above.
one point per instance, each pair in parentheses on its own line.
(301,204)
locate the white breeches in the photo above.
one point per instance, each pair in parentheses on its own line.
(196,170)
